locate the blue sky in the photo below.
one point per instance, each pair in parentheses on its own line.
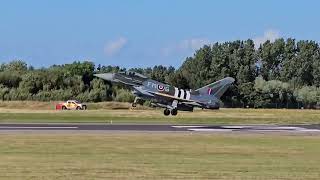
(137,33)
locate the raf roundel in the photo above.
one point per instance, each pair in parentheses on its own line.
(160,87)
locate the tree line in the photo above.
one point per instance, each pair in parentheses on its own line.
(284,74)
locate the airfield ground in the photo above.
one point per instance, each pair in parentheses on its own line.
(149,116)
(107,112)
(157,155)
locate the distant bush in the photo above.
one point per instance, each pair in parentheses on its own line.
(147,103)
(124,96)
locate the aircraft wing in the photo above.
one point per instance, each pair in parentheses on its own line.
(181,101)
(125,83)
(170,96)
(113,78)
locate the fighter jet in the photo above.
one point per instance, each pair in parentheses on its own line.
(171,98)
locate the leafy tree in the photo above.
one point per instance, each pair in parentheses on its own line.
(16,65)
(316,68)
(271,56)
(99,91)
(308,95)
(10,79)
(3,92)
(273,91)
(124,95)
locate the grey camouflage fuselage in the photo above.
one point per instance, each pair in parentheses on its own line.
(170,97)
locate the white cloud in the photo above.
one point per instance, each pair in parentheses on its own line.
(113,47)
(186,45)
(193,44)
(270,35)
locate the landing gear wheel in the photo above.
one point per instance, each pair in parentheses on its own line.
(166,112)
(174,112)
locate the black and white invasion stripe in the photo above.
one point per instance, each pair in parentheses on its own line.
(181,94)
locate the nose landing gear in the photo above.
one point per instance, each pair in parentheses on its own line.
(136,101)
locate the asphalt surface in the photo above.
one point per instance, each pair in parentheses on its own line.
(159,128)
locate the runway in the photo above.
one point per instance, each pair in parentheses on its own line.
(159,128)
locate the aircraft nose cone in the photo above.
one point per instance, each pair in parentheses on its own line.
(231,79)
(105,76)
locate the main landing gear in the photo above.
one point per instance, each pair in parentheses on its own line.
(173,112)
(166,112)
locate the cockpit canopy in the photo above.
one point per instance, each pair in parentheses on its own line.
(133,74)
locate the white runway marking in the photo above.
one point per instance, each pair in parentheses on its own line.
(37,127)
(237,127)
(310,130)
(252,128)
(286,128)
(264,127)
(187,126)
(211,130)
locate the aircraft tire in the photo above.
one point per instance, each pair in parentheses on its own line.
(174,112)
(166,112)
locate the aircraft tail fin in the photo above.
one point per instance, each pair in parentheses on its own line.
(217,88)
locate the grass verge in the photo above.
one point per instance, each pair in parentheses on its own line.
(158,156)
(223,116)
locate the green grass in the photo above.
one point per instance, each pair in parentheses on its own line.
(223,116)
(159,156)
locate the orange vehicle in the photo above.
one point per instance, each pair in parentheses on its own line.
(71,105)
